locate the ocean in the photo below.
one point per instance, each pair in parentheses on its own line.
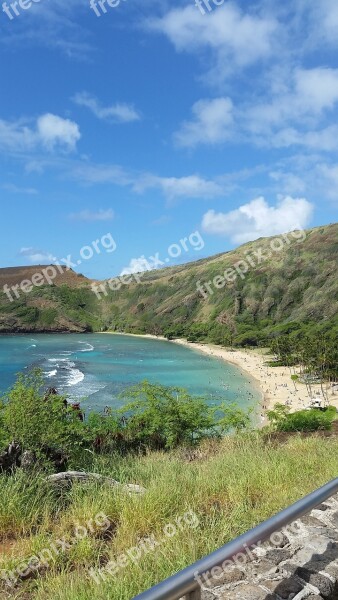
(96,368)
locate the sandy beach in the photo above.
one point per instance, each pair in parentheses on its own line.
(275,383)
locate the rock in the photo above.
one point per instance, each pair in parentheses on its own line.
(28,460)
(10,458)
(68,477)
(325,586)
(264,566)
(322,507)
(278,555)
(226,576)
(334,519)
(245,592)
(309,520)
(286,588)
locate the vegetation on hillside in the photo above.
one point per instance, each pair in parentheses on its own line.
(154,417)
(229,487)
(292,291)
(204,487)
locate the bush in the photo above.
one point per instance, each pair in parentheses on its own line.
(302,420)
(155,417)
(39,423)
(160,417)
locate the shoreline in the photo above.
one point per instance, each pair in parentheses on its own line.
(274,383)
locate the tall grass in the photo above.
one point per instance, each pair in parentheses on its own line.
(231,487)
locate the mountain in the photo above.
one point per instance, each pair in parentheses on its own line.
(286,283)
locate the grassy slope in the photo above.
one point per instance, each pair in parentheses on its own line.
(298,284)
(232,486)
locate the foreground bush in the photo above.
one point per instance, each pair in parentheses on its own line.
(302,420)
(41,423)
(154,417)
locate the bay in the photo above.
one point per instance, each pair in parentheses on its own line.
(96,368)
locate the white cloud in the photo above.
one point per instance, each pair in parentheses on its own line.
(50,132)
(36,256)
(257,219)
(117,113)
(323,21)
(89,216)
(97,173)
(53,130)
(235,39)
(322,139)
(288,181)
(192,186)
(212,123)
(14,189)
(137,265)
(316,89)
(328,177)
(294,115)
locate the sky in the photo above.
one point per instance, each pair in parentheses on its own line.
(153,122)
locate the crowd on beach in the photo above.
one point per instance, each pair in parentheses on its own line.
(275,383)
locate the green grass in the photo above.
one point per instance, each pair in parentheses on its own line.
(231,486)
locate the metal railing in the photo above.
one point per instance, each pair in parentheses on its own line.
(185,585)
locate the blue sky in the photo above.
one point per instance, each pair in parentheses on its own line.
(154,121)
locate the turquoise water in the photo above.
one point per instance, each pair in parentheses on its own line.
(98,367)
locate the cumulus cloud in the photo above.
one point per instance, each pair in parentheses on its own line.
(116,113)
(235,39)
(211,124)
(323,139)
(36,256)
(257,219)
(89,216)
(53,130)
(295,114)
(50,132)
(137,265)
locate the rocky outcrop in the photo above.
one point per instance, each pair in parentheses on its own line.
(69,477)
(301,564)
(10,458)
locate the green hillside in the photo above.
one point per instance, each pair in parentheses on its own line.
(285,285)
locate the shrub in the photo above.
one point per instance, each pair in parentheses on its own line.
(302,420)
(39,422)
(163,417)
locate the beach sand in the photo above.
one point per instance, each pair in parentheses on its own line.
(275,383)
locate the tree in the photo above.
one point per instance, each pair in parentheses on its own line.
(162,417)
(229,417)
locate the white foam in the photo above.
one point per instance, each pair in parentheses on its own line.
(90,349)
(51,373)
(75,377)
(58,360)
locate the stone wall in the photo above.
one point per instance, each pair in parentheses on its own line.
(301,563)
